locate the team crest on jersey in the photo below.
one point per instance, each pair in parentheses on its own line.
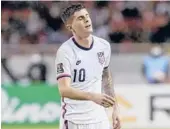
(101,57)
(60,68)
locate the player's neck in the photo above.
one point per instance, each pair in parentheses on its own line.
(84,42)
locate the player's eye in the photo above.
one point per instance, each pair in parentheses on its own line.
(80,18)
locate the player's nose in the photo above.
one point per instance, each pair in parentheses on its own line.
(86,20)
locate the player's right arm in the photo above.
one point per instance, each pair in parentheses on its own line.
(63,69)
(67,91)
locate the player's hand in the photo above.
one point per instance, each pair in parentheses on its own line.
(115,118)
(116,123)
(103,100)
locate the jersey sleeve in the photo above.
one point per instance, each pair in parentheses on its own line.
(108,56)
(62,64)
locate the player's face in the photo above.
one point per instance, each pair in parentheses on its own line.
(81,24)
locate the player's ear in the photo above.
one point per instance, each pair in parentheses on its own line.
(69,27)
(68,24)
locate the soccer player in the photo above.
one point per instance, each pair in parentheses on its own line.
(82,66)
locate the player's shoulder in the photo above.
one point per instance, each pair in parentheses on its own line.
(101,41)
(65,47)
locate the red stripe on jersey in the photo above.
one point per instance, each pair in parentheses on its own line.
(63,75)
(66,124)
(64,108)
(63,115)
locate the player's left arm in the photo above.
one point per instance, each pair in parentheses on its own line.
(107,83)
(108,87)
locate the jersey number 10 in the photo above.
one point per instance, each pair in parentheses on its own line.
(79,75)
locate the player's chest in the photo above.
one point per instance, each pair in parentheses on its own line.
(88,65)
(94,59)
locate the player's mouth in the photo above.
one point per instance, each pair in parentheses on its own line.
(88,26)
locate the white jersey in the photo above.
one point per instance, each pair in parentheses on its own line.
(85,67)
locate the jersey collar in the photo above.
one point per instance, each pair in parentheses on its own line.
(81,47)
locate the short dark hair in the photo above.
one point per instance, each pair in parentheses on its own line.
(68,11)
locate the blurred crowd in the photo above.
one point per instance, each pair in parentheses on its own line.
(38,22)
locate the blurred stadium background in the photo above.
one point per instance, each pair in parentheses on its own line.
(31,33)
